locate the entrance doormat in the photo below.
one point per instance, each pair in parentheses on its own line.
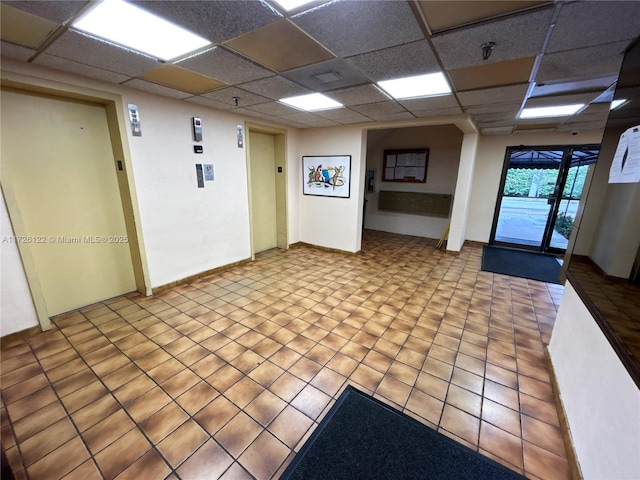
(362,438)
(518,263)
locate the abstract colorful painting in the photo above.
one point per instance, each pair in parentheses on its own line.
(328,176)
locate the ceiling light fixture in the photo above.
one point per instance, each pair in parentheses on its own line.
(289,5)
(487,48)
(428,85)
(137,29)
(617,103)
(555,111)
(312,102)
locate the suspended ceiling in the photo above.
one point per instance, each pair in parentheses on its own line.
(546,53)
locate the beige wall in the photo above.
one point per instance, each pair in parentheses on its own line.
(610,231)
(331,221)
(601,401)
(444,143)
(186,230)
(489,163)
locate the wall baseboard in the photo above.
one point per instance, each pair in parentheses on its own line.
(197,276)
(572,458)
(324,249)
(18,338)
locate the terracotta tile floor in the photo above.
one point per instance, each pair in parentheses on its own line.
(228,376)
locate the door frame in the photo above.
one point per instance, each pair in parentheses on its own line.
(117,128)
(565,165)
(281,157)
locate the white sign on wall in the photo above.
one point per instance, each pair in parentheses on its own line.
(626,161)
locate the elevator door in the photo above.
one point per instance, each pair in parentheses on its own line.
(263,191)
(57,157)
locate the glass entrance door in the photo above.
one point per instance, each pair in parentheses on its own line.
(539,196)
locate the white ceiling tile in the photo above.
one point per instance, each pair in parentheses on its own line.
(583,24)
(428,103)
(543,121)
(9,50)
(289,123)
(381,108)
(493,95)
(495,119)
(308,119)
(207,102)
(376,40)
(223,65)
(339,114)
(275,88)
(63,64)
(582,63)
(515,37)
(351,27)
(273,108)
(392,117)
(496,130)
(396,62)
(55,10)
(358,95)
(437,112)
(81,48)
(245,98)
(483,125)
(151,87)
(217,21)
(252,113)
(507,107)
(351,121)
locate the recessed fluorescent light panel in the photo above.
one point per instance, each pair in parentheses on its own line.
(616,103)
(312,103)
(292,4)
(419,86)
(137,29)
(556,111)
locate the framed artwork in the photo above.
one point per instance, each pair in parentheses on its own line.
(327,176)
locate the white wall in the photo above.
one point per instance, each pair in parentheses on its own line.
(17,312)
(488,170)
(596,198)
(462,197)
(333,222)
(614,213)
(618,236)
(186,230)
(444,143)
(600,399)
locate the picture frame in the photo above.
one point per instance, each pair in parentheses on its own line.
(327,176)
(408,165)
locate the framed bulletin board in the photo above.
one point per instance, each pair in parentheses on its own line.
(406,165)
